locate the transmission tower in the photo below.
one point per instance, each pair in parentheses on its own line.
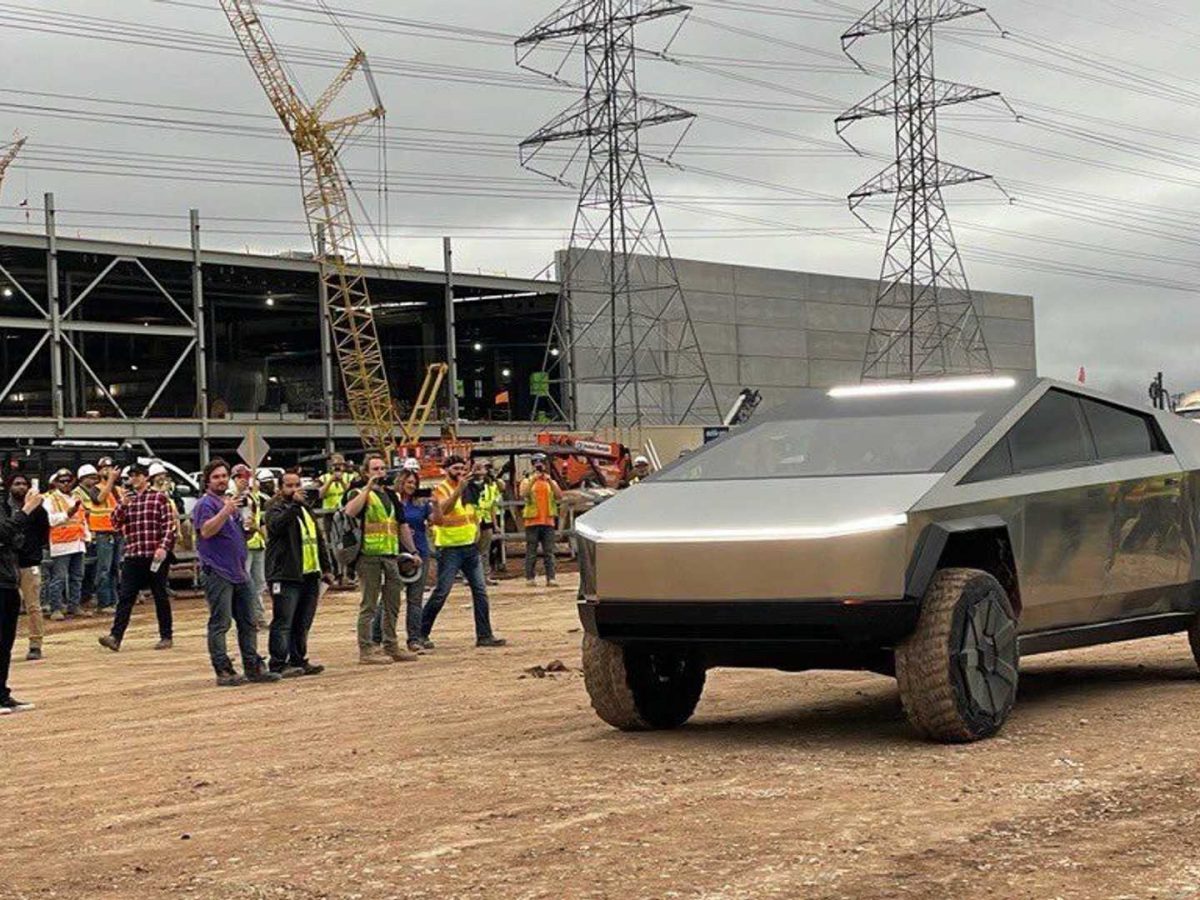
(623,347)
(924,323)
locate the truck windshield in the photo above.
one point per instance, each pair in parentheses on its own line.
(845,445)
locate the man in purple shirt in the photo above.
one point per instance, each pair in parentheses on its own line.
(221,545)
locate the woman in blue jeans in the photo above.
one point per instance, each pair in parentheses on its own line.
(413,513)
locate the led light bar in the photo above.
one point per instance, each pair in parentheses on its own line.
(734,535)
(908,388)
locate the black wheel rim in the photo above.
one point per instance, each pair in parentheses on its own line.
(987,657)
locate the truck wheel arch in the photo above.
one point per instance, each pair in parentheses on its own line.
(980,542)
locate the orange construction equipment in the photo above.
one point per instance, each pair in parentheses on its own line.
(603,461)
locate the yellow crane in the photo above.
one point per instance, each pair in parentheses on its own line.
(8,153)
(327,207)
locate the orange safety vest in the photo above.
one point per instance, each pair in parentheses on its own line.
(73,528)
(99,515)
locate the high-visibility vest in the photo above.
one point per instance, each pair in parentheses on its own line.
(99,514)
(531,511)
(337,487)
(459,527)
(255,540)
(381,531)
(309,548)
(489,502)
(73,529)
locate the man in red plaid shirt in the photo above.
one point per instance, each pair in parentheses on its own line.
(147,521)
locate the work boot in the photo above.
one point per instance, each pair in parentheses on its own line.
(529,582)
(291,672)
(373,657)
(399,655)
(426,644)
(83,613)
(230,679)
(550,582)
(57,616)
(311,668)
(260,674)
(491,641)
(110,642)
(34,654)
(164,644)
(416,647)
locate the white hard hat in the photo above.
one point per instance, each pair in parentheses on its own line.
(640,460)
(85,470)
(411,464)
(264,475)
(157,469)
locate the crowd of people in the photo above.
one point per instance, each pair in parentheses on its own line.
(98,538)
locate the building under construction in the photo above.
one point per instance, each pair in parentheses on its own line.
(187,347)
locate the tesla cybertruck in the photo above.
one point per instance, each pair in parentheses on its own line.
(936,531)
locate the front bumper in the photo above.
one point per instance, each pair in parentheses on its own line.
(784,634)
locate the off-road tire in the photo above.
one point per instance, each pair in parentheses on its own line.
(637,689)
(958,670)
(1194,638)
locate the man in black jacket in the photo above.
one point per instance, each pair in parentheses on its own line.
(297,561)
(13,526)
(29,561)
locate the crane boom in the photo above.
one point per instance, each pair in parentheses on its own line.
(7,154)
(327,208)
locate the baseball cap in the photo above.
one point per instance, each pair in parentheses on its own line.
(539,457)
(641,461)
(85,470)
(156,469)
(241,470)
(136,469)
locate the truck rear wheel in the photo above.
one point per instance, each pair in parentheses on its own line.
(641,689)
(958,670)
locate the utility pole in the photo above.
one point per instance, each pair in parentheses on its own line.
(924,323)
(622,348)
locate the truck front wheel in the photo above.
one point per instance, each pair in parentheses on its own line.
(641,689)
(958,670)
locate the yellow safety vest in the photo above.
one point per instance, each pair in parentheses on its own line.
(337,488)
(459,527)
(489,502)
(256,541)
(308,544)
(381,531)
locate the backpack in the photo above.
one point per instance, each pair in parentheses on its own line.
(346,537)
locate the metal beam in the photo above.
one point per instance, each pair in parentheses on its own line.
(167,380)
(451,334)
(96,378)
(125,328)
(201,334)
(12,382)
(327,385)
(56,342)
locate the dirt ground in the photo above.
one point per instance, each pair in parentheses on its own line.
(462,776)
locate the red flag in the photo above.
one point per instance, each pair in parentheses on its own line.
(502,398)
(1082,375)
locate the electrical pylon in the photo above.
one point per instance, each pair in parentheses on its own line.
(623,347)
(924,323)
(327,207)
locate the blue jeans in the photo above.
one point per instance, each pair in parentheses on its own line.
(228,602)
(66,582)
(451,561)
(108,561)
(294,607)
(256,561)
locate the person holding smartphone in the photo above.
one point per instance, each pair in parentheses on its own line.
(148,526)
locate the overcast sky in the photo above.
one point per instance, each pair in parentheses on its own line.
(1111,98)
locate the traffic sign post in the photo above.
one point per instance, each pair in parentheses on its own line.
(253,449)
